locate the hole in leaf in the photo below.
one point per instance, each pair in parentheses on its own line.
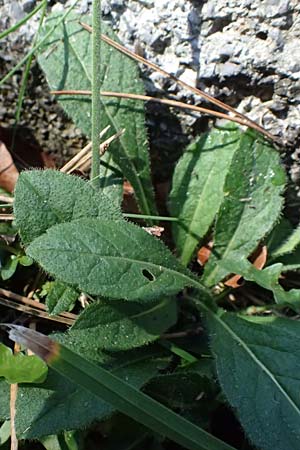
(148,275)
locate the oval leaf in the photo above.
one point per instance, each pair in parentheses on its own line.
(121,325)
(108,258)
(45,198)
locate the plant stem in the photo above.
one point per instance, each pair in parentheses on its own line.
(96,85)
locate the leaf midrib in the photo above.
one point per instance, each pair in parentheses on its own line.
(191,281)
(251,354)
(198,207)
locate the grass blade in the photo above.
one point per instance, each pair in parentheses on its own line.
(23,20)
(112,389)
(36,47)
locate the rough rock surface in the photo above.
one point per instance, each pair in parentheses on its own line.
(245,52)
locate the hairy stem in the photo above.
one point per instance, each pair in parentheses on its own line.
(96,85)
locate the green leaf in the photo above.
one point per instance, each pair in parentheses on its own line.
(45,198)
(25,261)
(21,368)
(111,180)
(66,61)
(113,259)
(290,261)
(4,400)
(187,392)
(60,298)
(9,268)
(252,204)
(197,187)
(59,404)
(5,432)
(121,325)
(268,278)
(258,366)
(280,234)
(289,245)
(127,399)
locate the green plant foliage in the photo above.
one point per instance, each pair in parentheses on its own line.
(257,360)
(187,392)
(60,298)
(58,404)
(290,244)
(21,368)
(9,268)
(45,198)
(111,179)
(109,258)
(289,261)
(127,399)
(252,203)
(4,400)
(268,278)
(121,325)
(5,432)
(66,60)
(197,187)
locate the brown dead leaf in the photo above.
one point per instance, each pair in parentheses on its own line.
(8,171)
(204,253)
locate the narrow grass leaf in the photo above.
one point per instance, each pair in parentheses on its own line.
(197,187)
(252,203)
(121,325)
(112,389)
(58,404)
(45,198)
(118,260)
(66,61)
(258,366)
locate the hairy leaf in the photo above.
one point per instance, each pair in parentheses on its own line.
(60,298)
(121,325)
(45,198)
(197,187)
(290,261)
(258,366)
(289,245)
(127,399)
(252,203)
(111,179)
(21,368)
(113,259)
(58,404)
(4,400)
(66,59)
(187,391)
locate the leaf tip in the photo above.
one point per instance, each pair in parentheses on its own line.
(38,343)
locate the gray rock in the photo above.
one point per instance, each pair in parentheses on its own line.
(246,52)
